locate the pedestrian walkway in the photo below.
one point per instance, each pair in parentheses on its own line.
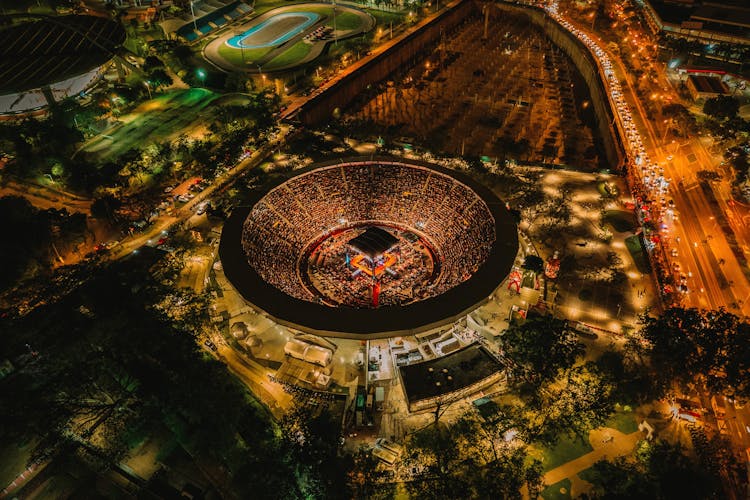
(607,443)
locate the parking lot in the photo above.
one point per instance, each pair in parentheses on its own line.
(514,92)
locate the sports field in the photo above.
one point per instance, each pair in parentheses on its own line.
(160,119)
(285,37)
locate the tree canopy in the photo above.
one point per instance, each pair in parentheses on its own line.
(540,348)
(688,345)
(722,107)
(659,471)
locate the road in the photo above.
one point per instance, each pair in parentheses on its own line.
(44,198)
(713,274)
(702,247)
(165,223)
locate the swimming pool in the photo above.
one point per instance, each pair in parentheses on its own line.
(274,31)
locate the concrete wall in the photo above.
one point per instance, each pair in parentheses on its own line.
(407,50)
(403,51)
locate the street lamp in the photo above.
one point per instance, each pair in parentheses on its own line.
(148,87)
(242,45)
(201,73)
(195,26)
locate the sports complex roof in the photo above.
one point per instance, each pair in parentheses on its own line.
(46,51)
(382,322)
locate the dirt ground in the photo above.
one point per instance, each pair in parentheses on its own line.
(513,93)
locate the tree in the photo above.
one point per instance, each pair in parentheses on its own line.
(681,115)
(238,82)
(106,365)
(575,404)
(151,63)
(33,237)
(106,207)
(722,107)
(313,439)
(533,263)
(659,471)
(366,478)
(540,348)
(470,459)
(160,78)
(686,345)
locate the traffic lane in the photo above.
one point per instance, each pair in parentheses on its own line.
(716,243)
(707,264)
(694,208)
(691,254)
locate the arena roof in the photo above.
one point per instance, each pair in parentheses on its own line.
(38,53)
(373,242)
(382,322)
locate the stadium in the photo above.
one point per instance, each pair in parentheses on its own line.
(285,37)
(52,58)
(369,248)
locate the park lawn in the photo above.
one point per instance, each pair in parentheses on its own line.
(383,18)
(235,56)
(292,55)
(15,460)
(638,253)
(623,421)
(589,476)
(262,6)
(622,221)
(552,492)
(567,449)
(345,21)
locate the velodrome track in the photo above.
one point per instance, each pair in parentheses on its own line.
(278,31)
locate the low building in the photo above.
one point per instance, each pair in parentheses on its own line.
(706,87)
(705,22)
(449,378)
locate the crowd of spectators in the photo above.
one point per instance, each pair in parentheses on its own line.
(405,280)
(303,210)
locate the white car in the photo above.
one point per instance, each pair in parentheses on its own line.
(201,208)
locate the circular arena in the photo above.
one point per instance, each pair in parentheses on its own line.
(64,54)
(369,248)
(285,37)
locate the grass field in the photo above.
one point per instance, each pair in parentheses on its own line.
(553,492)
(345,21)
(153,121)
(292,55)
(623,421)
(567,449)
(236,57)
(622,221)
(638,253)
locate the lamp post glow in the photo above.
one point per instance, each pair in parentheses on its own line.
(201,73)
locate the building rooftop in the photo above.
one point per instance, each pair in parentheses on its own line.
(447,374)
